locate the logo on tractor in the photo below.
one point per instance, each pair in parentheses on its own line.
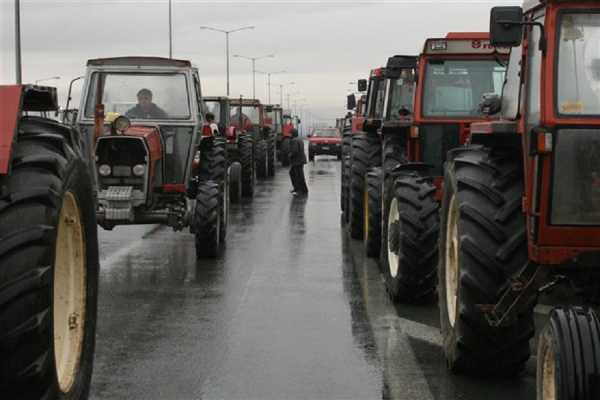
(478,44)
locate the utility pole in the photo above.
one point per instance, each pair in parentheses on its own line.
(170,33)
(227,45)
(254,59)
(18,41)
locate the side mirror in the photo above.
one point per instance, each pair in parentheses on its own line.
(362,85)
(491,104)
(269,109)
(506,26)
(299,121)
(351,103)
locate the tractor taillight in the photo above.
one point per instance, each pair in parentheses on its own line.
(544,142)
(414,132)
(207,131)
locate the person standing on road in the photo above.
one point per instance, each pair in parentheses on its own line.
(297,161)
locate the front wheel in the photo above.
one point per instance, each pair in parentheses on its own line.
(373,203)
(246,150)
(409,253)
(206,222)
(568,356)
(235,182)
(261,158)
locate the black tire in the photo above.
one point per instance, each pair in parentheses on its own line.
(246,150)
(346,150)
(339,156)
(366,154)
(48,175)
(568,357)
(235,182)
(207,220)
(482,195)
(311,156)
(261,159)
(213,161)
(409,253)
(394,152)
(271,155)
(285,152)
(374,187)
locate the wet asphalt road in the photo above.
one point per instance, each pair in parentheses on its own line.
(292,310)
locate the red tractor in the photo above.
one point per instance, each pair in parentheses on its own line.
(353,126)
(240,146)
(521,208)
(248,116)
(454,73)
(157,161)
(48,251)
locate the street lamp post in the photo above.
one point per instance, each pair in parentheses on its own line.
(269,82)
(281,92)
(227,44)
(254,59)
(18,41)
(170,33)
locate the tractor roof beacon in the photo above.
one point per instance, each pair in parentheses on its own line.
(156,160)
(49,253)
(521,213)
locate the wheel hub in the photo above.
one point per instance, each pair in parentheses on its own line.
(69,293)
(452,265)
(394,237)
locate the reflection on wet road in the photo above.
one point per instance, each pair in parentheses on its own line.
(291,310)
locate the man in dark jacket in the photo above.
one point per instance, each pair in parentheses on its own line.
(297,161)
(145,108)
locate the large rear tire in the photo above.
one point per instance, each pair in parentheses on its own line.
(261,159)
(246,150)
(366,154)
(213,167)
(48,267)
(568,357)
(483,243)
(235,182)
(409,253)
(345,176)
(271,155)
(374,188)
(207,220)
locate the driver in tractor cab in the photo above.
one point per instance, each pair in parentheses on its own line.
(145,108)
(239,116)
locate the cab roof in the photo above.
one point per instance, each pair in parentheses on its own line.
(139,61)
(245,102)
(529,5)
(215,98)
(462,43)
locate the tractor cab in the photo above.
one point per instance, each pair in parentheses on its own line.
(274,118)
(142,120)
(555,118)
(247,115)
(220,107)
(455,73)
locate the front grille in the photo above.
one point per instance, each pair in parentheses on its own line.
(576,178)
(436,141)
(121,154)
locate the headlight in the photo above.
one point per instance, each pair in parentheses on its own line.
(104,170)
(139,170)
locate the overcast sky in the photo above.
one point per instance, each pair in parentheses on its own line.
(323,45)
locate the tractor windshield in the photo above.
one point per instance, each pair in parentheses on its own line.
(247,116)
(579,65)
(401,95)
(454,88)
(141,96)
(215,108)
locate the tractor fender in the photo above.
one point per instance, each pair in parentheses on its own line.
(10,112)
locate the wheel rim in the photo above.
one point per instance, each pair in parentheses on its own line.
(452,265)
(548,374)
(393,221)
(365,213)
(69,297)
